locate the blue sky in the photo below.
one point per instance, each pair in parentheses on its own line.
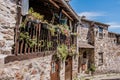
(105,11)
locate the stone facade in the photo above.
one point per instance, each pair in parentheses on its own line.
(33,69)
(7,25)
(106,45)
(101,46)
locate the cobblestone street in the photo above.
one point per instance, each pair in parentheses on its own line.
(102,77)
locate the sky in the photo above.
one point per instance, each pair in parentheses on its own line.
(105,11)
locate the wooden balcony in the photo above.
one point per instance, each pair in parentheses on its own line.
(36,40)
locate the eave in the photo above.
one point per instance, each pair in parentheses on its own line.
(99,23)
(67,9)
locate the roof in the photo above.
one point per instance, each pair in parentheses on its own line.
(85,45)
(114,33)
(94,22)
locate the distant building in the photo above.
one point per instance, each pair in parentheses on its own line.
(98,46)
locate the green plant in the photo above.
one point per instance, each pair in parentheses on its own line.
(25,37)
(65,30)
(49,44)
(22,26)
(52,29)
(62,51)
(31,42)
(35,15)
(92,68)
(75,78)
(74,34)
(41,43)
(72,50)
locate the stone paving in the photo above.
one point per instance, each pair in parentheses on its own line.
(100,77)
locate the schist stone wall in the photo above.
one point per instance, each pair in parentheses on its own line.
(83,32)
(33,69)
(7,25)
(101,46)
(106,45)
(113,56)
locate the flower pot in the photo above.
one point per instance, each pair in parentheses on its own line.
(63,21)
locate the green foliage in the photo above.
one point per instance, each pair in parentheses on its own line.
(92,68)
(35,14)
(22,26)
(75,78)
(74,34)
(52,29)
(31,42)
(65,30)
(62,51)
(25,37)
(49,44)
(72,50)
(41,43)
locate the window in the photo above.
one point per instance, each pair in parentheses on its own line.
(100,58)
(100,32)
(100,29)
(115,41)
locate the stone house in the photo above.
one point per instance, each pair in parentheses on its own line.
(21,57)
(28,49)
(98,46)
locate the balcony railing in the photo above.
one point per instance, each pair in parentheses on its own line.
(36,38)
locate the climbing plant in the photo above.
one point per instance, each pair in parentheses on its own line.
(62,52)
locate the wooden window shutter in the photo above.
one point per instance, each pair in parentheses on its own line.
(25,7)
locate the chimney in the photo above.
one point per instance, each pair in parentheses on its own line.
(67,1)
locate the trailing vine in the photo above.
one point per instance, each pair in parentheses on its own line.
(62,52)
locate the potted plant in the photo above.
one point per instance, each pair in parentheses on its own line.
(34,16)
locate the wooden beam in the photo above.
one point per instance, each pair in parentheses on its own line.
(62,10)
(12,58)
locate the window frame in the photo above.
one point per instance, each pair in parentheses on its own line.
(100,62)
(100,31)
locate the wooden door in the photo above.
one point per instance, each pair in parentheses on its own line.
(54,70)
(68,68)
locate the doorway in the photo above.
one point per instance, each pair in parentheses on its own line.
(55,69)
(68,68)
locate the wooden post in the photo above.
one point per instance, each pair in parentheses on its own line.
(19,18)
